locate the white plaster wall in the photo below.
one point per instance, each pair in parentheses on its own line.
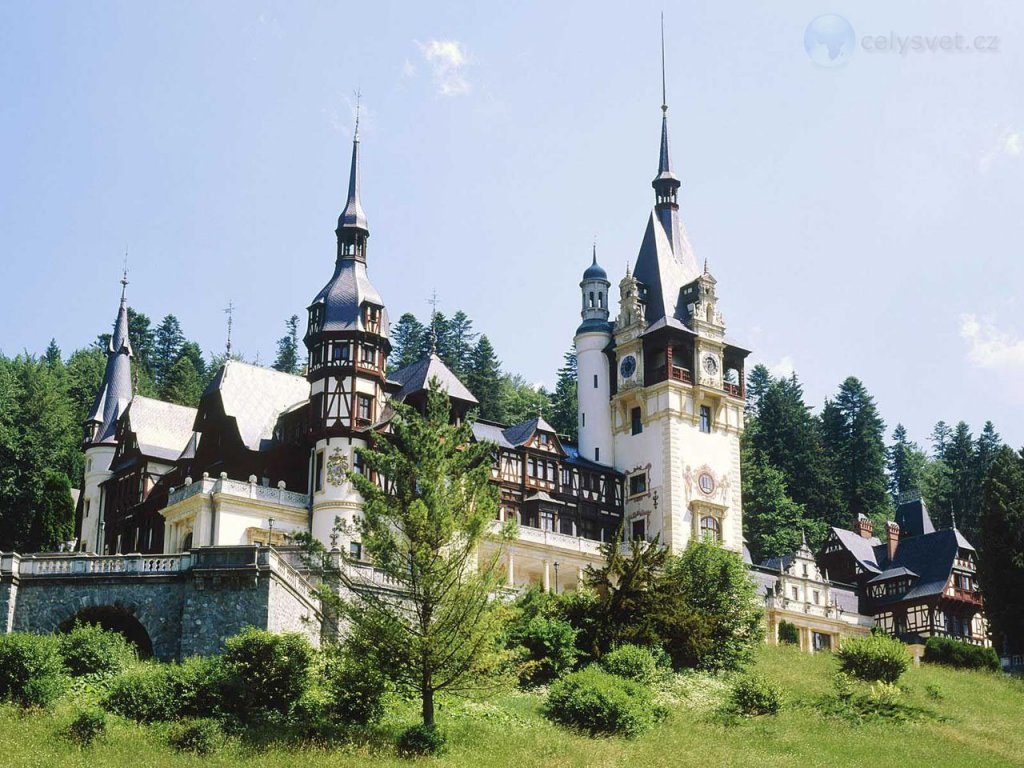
(97,460)
(594,402)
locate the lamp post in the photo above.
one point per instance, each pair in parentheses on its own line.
(556,576)
(270,536)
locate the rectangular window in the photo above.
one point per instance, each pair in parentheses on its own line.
(637,423)
(368,353)
(355,550)
(365,407)
(340,352)
(597,454)
(638,484)
(319,474)
(88,503)
(595,381)
(796,593)
(583,419)
(547,520)
(817,597)
(705,419)
(638,529)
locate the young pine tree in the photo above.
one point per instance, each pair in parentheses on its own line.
(905,463)
(424,531)
(287,359)
(565,399)
(484,379)
(1001,544)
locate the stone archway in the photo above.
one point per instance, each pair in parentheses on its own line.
(114,618)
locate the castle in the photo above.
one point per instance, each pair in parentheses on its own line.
(266,454)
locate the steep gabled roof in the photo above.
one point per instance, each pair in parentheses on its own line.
(416,378)
(115,391)
(520,434)
(254,397)
(664,270)
(485,431)
(344,296)
(162,430)
(863,550)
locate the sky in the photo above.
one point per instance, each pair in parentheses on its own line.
(863,219)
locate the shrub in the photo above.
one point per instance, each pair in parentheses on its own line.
(264,671)
(754,695)
(195,686)
(143,694)
(421,740)
(31,671)
(355,690)
(597,702)
(632,663)
(87,726)
(788,633)
(548,648)
(875,657)
(88,649)
(955,653)
(200,736)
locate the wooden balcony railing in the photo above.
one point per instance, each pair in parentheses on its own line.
(682,374)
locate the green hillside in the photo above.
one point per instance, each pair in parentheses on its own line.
(973,719)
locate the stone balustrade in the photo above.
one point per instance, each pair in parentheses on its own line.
(241,489)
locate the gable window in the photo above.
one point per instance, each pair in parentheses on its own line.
(705,419)
(636,421)
(638,484)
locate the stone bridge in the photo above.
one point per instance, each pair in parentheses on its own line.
(169,606)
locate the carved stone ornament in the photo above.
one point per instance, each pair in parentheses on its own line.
(337,467)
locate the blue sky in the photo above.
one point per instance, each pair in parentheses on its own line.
(860,220)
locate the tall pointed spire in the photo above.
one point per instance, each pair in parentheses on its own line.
(666,182)
(352,227)
(116,390)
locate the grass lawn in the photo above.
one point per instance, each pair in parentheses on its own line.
(977,719)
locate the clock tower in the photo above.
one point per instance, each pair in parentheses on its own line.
(678,402)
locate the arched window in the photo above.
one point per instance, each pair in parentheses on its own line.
(710,530)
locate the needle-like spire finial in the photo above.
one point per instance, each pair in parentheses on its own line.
(124,274)
(359,96)
(433,302)
(664,99)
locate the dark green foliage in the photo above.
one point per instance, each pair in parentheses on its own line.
(905,463)
(199,736)
(1001,543)
(196,686)
(54,520)
(632,663)
(287,359)
(167,342)
(31,671)
(758,382)
(859,703)
(854,436)
(714,622)
(87,726)
(596,702)
(565,399)
(754,695)
(459,344)
(484,379)
(355,689)
(788,633)
(143,694)
(545,642)
(873,658)
(89,649)
(409,342)
(773,522)
(182,384)
(421,740)
(264,672)
(955,653)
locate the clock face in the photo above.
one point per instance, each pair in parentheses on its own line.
(628,367)
(706,483)
(711,365)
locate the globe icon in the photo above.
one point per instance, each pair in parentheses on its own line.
(829,41)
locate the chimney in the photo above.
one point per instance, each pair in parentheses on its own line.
(892,531)
(863,527)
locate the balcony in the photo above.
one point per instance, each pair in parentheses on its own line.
(682,374)
(971,596)
(250,490)
(561,541)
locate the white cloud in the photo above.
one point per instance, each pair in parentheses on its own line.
(988,346)
(783,369)
(1009,144)
(447,59)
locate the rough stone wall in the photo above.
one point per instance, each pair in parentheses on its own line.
(43,605)
(218,606)
(287,612)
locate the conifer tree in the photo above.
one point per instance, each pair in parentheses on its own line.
(772,521)
(1001,544)
(183,385)
(461,343)
(758,381)
(958,456)
(287,359)
(484,379)
(565,399)
(906,464)
(424,531)
(408,341)
(854,434)
(167,341)
(52,356)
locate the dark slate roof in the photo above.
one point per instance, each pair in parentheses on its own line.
(930,557)
(572,456)
(163,430)
(416,378)
(863,550)
(595,326)
(116,390)
(344,296)
(668,322)
(779,563)
(255,397)
(485,431)
(663,269)
(518,434)
(595,271)
(353,217)
(893,573)
(913,518)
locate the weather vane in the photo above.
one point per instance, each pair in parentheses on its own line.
(230,312)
